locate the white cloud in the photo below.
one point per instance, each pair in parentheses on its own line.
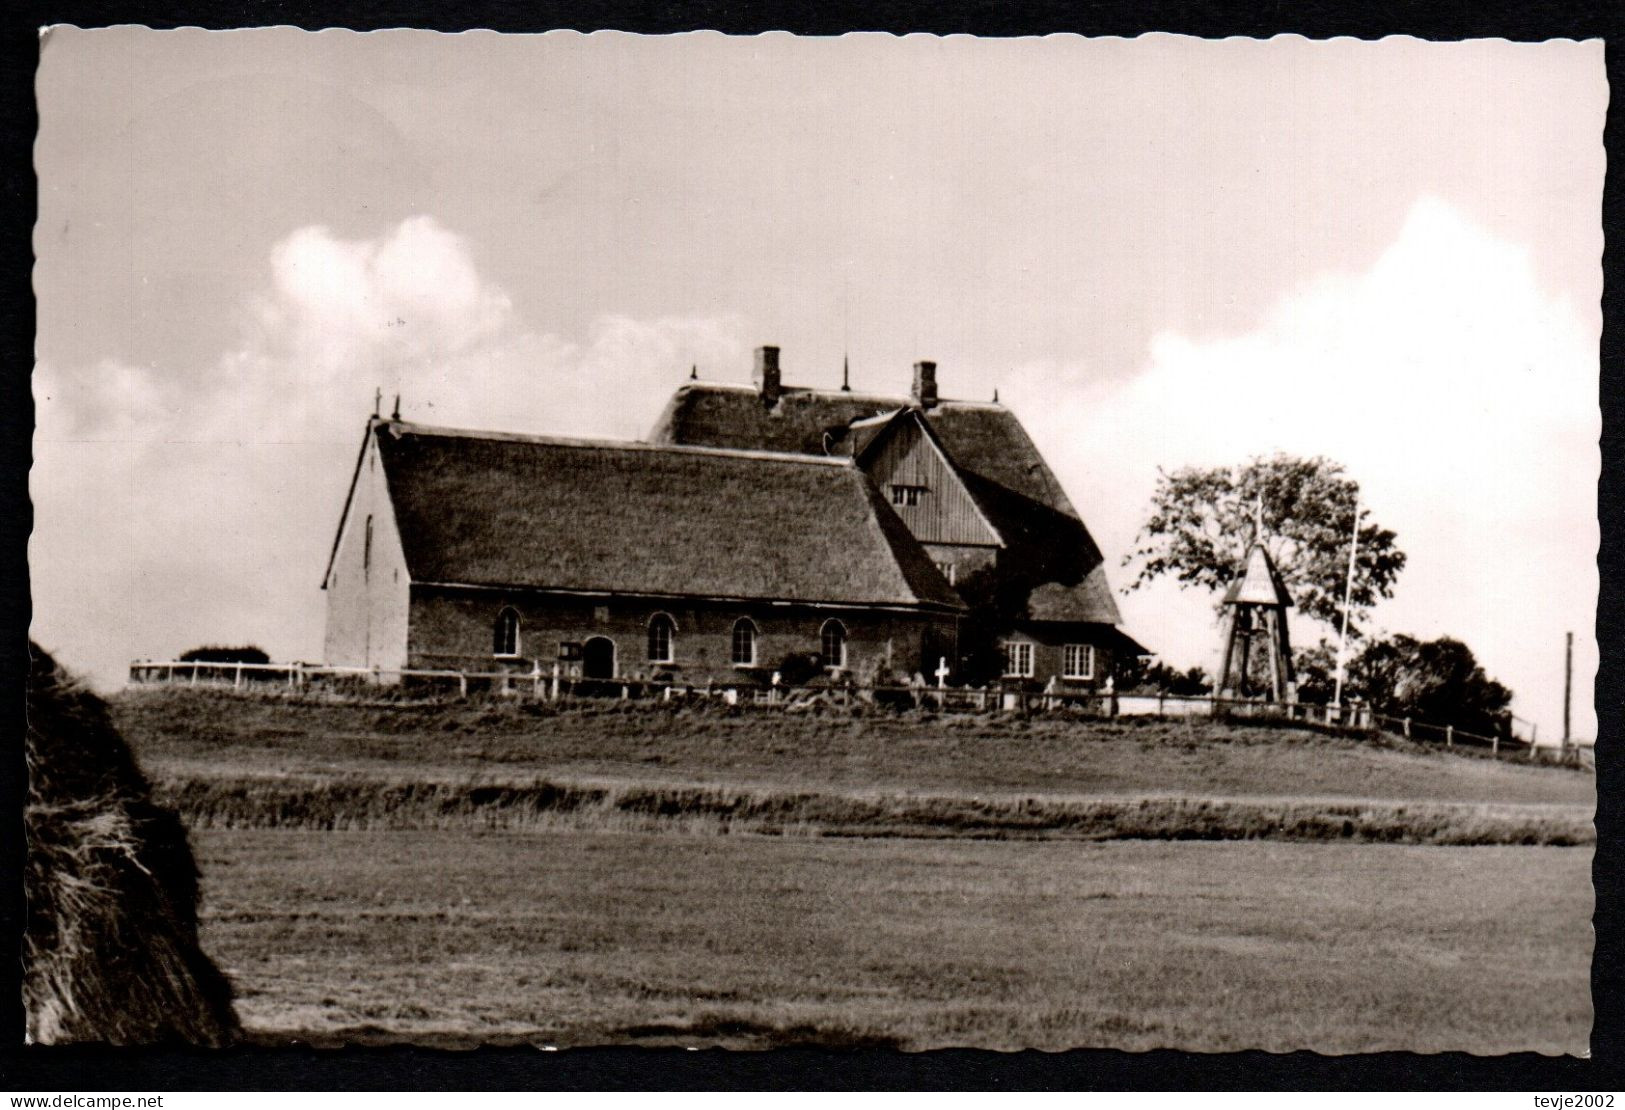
(410,298)
(1459,395)
(175,508)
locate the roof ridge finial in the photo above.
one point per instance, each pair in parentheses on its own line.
(377,401)
(1258,518)
(846,373)
(396,415)
(995,395)
(694,372)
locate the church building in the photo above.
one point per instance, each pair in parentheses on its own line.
(875,536)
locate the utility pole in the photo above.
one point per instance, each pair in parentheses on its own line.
(1568,684)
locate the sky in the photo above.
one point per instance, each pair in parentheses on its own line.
(1161,252)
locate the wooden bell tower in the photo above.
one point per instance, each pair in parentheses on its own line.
(1257,649)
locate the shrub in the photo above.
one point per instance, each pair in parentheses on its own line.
(798,668)
(1139,677)
(213,654)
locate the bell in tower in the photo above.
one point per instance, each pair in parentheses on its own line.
(1257,660)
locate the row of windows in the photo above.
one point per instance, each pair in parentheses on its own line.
(662,643)
(1077,660)
(907,495)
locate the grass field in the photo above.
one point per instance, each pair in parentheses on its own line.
(470,872)
(582,938)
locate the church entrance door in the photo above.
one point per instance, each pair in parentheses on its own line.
(598,658)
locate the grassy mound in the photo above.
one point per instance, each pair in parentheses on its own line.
(183,734)
(110,947)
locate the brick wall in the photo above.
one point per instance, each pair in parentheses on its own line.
(1049,642)
(453,629)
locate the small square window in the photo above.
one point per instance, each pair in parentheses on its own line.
(1018,660)
(1078,661)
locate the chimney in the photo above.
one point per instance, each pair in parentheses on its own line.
(925,384)
(766,375)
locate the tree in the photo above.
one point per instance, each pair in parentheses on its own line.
(995,602)
(1436,681)
(1201,526)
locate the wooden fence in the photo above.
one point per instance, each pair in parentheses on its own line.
(555,687)
(1451,737)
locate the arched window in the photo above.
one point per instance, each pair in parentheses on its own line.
(505,636)
(661,630)
(744,645)
(832,643)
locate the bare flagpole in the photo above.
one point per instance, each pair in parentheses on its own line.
(1348,602)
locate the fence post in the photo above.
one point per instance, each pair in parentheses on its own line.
(1449,736)
(237,681)
(1407,728)
(1495,742)
(462,685)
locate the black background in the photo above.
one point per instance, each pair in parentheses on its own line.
(86,1070)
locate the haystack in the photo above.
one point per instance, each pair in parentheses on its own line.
(111,947)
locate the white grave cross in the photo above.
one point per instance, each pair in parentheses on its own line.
(942,672)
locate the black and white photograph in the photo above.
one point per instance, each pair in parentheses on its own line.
(859,542)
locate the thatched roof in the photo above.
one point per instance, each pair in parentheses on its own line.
(716,415)
(1048,544)
(1083,602)
(1259,582)
(485,509)
(983,438)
